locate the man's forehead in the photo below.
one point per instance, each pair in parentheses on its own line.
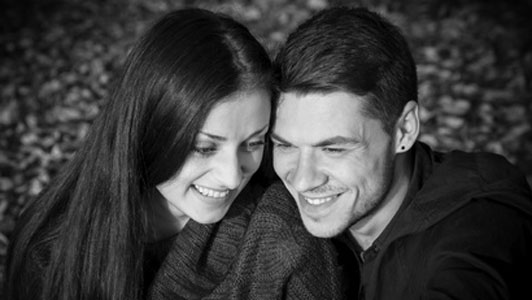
(315,117)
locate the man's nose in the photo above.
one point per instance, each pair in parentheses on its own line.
(306,175)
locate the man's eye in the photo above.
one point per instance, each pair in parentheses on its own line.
(281,146)
(334,150)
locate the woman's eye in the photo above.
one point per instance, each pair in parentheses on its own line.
(254,146)
(204,151)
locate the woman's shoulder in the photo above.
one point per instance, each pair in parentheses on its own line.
(245,204)
(278,248)
(276,202)
(276,219)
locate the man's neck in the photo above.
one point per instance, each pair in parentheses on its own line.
(367,230)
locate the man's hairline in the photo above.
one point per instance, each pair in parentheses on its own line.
(323,92)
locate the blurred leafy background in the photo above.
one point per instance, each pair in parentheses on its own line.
(58,59)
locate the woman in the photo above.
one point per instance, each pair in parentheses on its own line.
(179,139)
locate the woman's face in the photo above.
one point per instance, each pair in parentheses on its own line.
(228,151)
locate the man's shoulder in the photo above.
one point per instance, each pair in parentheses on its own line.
(488,217)
(486,167)
(457,178)
(470,174)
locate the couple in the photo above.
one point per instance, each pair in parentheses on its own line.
(170,197)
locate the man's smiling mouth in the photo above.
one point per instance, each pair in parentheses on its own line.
(320,200)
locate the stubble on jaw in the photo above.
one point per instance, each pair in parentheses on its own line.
(380,196)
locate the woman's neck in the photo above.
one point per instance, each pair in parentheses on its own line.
(162,222)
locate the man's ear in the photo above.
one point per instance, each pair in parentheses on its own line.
(407,127)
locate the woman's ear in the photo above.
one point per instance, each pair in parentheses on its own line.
(407,127)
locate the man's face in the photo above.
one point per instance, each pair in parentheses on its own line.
(336,162)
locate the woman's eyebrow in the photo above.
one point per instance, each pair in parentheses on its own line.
(222,138)
(259,131)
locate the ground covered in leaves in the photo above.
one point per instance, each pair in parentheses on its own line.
(58,59)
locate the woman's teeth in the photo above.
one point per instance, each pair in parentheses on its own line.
(211,193)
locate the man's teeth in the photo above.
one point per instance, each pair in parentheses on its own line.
(318,201)
(211,193)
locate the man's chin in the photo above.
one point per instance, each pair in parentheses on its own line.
(322,229)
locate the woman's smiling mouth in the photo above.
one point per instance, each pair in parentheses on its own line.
(211,193)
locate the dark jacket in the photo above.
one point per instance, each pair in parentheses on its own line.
(463,232)
(264,253)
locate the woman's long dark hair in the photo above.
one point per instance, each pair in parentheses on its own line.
(87,229)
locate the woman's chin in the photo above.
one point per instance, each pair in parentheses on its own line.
(210,218)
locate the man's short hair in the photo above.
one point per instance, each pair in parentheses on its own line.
(352,50)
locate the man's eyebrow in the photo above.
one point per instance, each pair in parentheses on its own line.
(336,140)
(278,138)
(222,138)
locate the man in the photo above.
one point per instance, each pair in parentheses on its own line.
(409,222)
